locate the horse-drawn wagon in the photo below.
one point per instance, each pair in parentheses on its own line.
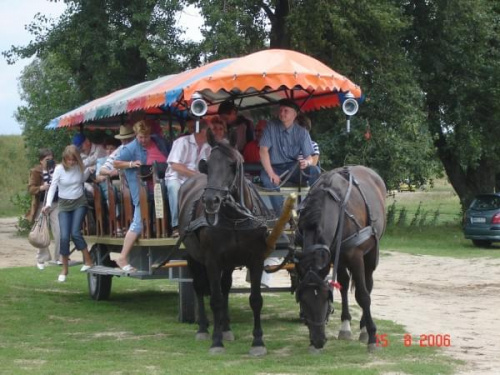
(252,82)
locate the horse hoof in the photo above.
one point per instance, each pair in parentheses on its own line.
(345,335)
(372,348)
(202,336)
(217,350)
(363,337)
(228,336)
(315,351)
(257,351)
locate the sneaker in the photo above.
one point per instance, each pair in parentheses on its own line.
(41,266)
(59,263)
(61,278)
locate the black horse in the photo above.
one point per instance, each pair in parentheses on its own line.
(341,222)
(223,225)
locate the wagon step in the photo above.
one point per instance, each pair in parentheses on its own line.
(103,270)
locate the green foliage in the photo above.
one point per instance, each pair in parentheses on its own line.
(454,44)
(44,105)
(429,71)
(22,203)
(391,214)
(232,28)
(362,41)
(15,172)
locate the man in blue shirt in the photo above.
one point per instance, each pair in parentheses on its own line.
(280,146)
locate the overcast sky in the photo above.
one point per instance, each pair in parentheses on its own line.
(14,16)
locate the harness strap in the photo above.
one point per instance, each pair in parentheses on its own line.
(357,238)
(340,227)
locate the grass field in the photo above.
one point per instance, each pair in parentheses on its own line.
(52,328)
(437,205)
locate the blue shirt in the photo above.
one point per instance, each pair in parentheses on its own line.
(132,152)
(285,145)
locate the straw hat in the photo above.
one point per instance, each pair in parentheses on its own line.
(126,132)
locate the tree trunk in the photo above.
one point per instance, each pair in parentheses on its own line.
(279,37)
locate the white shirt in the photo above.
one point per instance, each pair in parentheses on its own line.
(96,152)
(69,183)
(185,151)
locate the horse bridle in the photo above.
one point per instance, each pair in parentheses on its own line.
(312,280)
(227,190)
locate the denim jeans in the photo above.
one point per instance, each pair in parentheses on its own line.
(173,187)
(312,174)
(136,225)
(70,223)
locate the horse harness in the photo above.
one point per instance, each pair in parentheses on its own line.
(361,235)
(243,218)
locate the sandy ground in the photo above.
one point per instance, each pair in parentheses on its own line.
(427,295)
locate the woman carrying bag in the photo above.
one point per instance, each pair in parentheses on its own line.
(39,183)
(68,179)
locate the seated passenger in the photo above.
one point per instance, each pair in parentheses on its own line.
(251,152)
(141,150)
(305,122)
(183,163)
(218,127)
(89,152)
(281,144)
(234,122)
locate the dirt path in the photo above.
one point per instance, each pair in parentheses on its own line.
(428,295)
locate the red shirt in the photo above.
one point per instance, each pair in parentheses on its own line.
(251,152)
(153,154)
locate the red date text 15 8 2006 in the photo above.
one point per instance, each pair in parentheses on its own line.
(424,340)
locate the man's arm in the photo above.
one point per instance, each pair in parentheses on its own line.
(266,163)
(183,170)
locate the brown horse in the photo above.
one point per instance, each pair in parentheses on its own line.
(222,223)
(341,222)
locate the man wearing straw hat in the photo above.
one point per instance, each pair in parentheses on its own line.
(126,135)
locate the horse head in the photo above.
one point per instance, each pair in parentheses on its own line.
(314,293)
(224,172)
(317,223)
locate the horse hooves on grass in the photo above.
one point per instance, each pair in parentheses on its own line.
(228,336)
(315,351)
(217,350)
(372,348)
(363,337)
(202,336)
(345,335)
(257,351)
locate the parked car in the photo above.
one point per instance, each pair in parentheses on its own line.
(406,185)
(482,220)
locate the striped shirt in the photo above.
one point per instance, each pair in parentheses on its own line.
(315,147)
(285,145)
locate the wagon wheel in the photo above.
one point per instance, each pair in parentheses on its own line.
(99,285)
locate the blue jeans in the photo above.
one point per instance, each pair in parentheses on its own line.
(173,187)
(312,174)
(70,224)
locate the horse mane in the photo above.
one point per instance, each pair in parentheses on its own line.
(313,206)
(229,151)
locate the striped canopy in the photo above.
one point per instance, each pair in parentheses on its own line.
(256,80)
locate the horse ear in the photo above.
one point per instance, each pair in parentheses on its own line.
(233,138)
(203,166)
(211,138)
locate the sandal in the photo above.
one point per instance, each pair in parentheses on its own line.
(119,233)
(128,268)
